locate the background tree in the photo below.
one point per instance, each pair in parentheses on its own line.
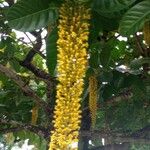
(28,74)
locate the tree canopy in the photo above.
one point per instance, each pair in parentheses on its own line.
(118,57)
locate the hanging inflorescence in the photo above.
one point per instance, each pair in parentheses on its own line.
(93,99)
(72,62)
(34,117)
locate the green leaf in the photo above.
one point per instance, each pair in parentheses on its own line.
(15,65)
(38,141)
(51,50)
(100,22)
(106,6)
(139,89)
(105,56)
(94,55)
(3,94)
(106,76)
(94,60)
(28,15)
(108,91)
(134,18)
(118,51)
(137,63)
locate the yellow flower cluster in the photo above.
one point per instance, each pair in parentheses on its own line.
(93,98)
(72,62)
(147,32)
(34,118)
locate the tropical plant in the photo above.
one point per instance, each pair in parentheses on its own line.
(88,58)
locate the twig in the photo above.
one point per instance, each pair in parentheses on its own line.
(123,146)
(116,137)
(37,72)
(41,131)
(29,38)
(125,95)
(27,61)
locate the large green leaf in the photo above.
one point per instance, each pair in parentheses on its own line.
(100,22)
(105,6)
(28,15)
(105,55)
(135,17)
(51,51)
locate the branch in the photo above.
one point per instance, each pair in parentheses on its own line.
(8,130)
(41,131)
(123,146)
(36,47)
(125,95)
(37,72)
(115,136)
(27,61)
(24,87)
(139,45)
(122,96)
(148,51)
(142,132)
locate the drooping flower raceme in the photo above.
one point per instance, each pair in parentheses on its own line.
(72,62)
(34,117)
(93,98)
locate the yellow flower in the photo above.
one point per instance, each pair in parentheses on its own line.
(72,62)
